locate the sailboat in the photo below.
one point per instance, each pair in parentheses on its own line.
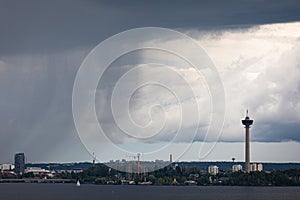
(78,183)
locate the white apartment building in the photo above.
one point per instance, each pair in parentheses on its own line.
(256,167)
(236,168)
(213,169)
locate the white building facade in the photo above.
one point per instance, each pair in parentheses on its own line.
(7,167)
(213,169)
(236,168)
(256,167)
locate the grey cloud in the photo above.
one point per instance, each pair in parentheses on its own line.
(43,26)
(275,132)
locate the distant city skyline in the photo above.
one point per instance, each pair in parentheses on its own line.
(236,150)
(255,49)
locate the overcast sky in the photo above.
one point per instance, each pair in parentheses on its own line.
(255,46)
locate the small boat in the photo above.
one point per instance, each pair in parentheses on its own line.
(78,183)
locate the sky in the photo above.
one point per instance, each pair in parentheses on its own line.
(254,45)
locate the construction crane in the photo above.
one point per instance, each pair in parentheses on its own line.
(139,163)
(138,157)
(94,159)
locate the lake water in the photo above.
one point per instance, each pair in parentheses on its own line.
(31,191)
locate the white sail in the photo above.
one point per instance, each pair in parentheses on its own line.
(78,183)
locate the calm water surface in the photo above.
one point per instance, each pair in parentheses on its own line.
(31,191)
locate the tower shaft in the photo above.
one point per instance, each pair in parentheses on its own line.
(247,149)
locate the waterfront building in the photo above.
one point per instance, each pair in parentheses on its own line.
(36,170)
(7,167)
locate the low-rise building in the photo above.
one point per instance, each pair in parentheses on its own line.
(75,171)
(36,170)
(7,167)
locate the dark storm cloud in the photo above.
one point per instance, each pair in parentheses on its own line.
(277,131)
(42,44)
(35,105)
(42,26)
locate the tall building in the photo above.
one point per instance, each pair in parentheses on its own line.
(19,163)
(213,169)
(256,167)
(259,167)
(247,122)
(236,168)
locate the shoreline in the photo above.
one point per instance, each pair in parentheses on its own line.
(70,182)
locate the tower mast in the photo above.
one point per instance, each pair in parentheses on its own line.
(247,122)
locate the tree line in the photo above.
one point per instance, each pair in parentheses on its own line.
(101,174)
